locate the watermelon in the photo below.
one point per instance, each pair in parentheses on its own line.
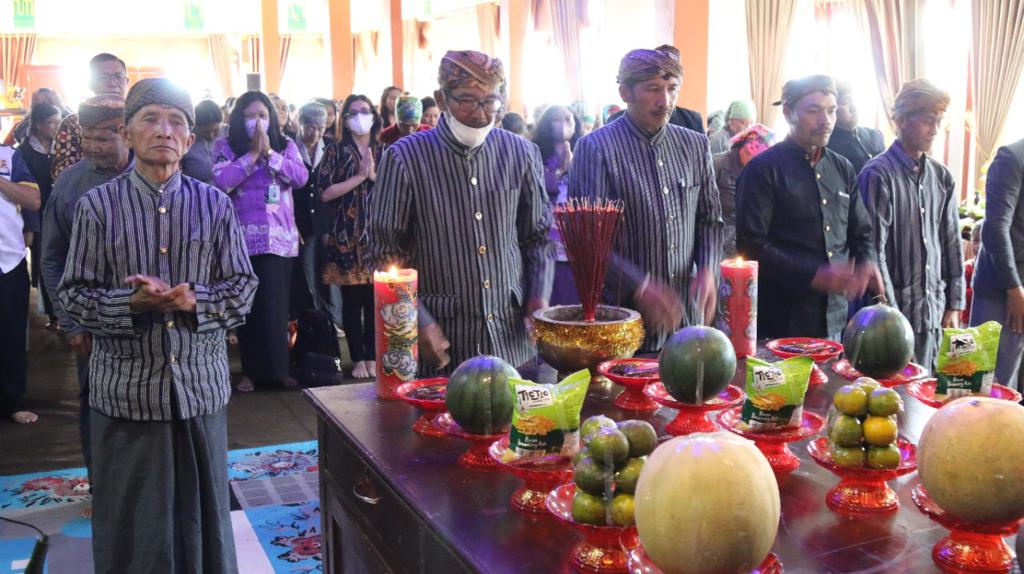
(696,364)
(479,397)
(879,341)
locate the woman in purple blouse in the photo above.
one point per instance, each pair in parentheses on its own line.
(258,167)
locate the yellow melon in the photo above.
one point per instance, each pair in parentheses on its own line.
(971,459)
(707,503)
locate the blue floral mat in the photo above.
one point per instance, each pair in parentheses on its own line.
(279,538)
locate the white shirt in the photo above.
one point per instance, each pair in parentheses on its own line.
(12,241)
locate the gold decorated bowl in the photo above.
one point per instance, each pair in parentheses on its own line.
(569,343)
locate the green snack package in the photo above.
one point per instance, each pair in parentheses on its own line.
(967,360)
(775,393)
(546,419)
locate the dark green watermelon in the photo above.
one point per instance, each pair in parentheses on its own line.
(479,397)
(879,341)
(696,362)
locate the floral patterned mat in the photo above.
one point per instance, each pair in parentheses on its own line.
(274,538)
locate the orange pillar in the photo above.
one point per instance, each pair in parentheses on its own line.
(343,63)
(691,37)
(397,51)
(513,32)
(270,45)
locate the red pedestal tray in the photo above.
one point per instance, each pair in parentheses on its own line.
(409,392)
(970,546)
(773,443)
(924,391)
(477,457)
(539,479)
(632,398)
(693,418)
(639,563)
(600,550)
(863,490)
(821,350)
(912,372)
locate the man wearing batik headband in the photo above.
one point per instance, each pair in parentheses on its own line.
(106,156)
(799,214)
(912,201)
(157,271)
(664,177)
(464,204)
(408,112)
(744,146)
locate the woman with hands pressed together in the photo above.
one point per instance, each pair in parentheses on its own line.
(346,177)
(259,167)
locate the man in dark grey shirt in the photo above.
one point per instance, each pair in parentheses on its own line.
(106,156)
(912,203)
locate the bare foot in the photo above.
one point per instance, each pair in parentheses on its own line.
(25,417)
(290,383)
(245,385)
(371,368)
(360,371)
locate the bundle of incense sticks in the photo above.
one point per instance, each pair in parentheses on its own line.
(588,228)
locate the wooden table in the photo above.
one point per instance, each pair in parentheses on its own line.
(394,501)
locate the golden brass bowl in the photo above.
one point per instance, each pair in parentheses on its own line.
(569,343)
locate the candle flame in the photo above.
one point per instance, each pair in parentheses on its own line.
(393,272)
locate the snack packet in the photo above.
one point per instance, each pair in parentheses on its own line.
(967,360)
(775,393)
(546,419)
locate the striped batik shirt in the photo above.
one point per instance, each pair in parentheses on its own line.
(673,217)
(182,231)
(474,224)
(916,231)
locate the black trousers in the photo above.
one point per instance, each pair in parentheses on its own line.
(37,264)
(357,318)
(263,340)
(14,287)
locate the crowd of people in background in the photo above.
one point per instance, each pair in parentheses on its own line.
(265,221)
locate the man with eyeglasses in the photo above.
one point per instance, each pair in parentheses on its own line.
(912,202)
(464,204)
(108,75)
(663,175)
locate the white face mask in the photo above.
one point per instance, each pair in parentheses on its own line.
(468,136)
(360,124)
(250,126)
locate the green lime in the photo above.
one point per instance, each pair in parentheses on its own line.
(846,431)
(591,477)
(883,457)
(851,400)
(622,509)
(884,402)
(625,478)
(641,436)
(588,509)
(609,447)
(848,457)
(594,424)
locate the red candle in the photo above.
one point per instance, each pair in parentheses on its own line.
(395,307)
(737,305)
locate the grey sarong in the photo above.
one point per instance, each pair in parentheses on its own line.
(160,496)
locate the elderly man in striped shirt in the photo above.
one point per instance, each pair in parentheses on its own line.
(157,272)
(465,205)
(664,177)
(912,202)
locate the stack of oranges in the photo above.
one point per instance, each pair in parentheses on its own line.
(863,425)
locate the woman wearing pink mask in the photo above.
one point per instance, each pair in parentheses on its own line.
(258,167)
(345,179)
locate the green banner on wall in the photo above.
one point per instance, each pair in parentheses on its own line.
(296,17)
(24,14)
(194,15)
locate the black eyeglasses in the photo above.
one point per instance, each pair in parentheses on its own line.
(468,105)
